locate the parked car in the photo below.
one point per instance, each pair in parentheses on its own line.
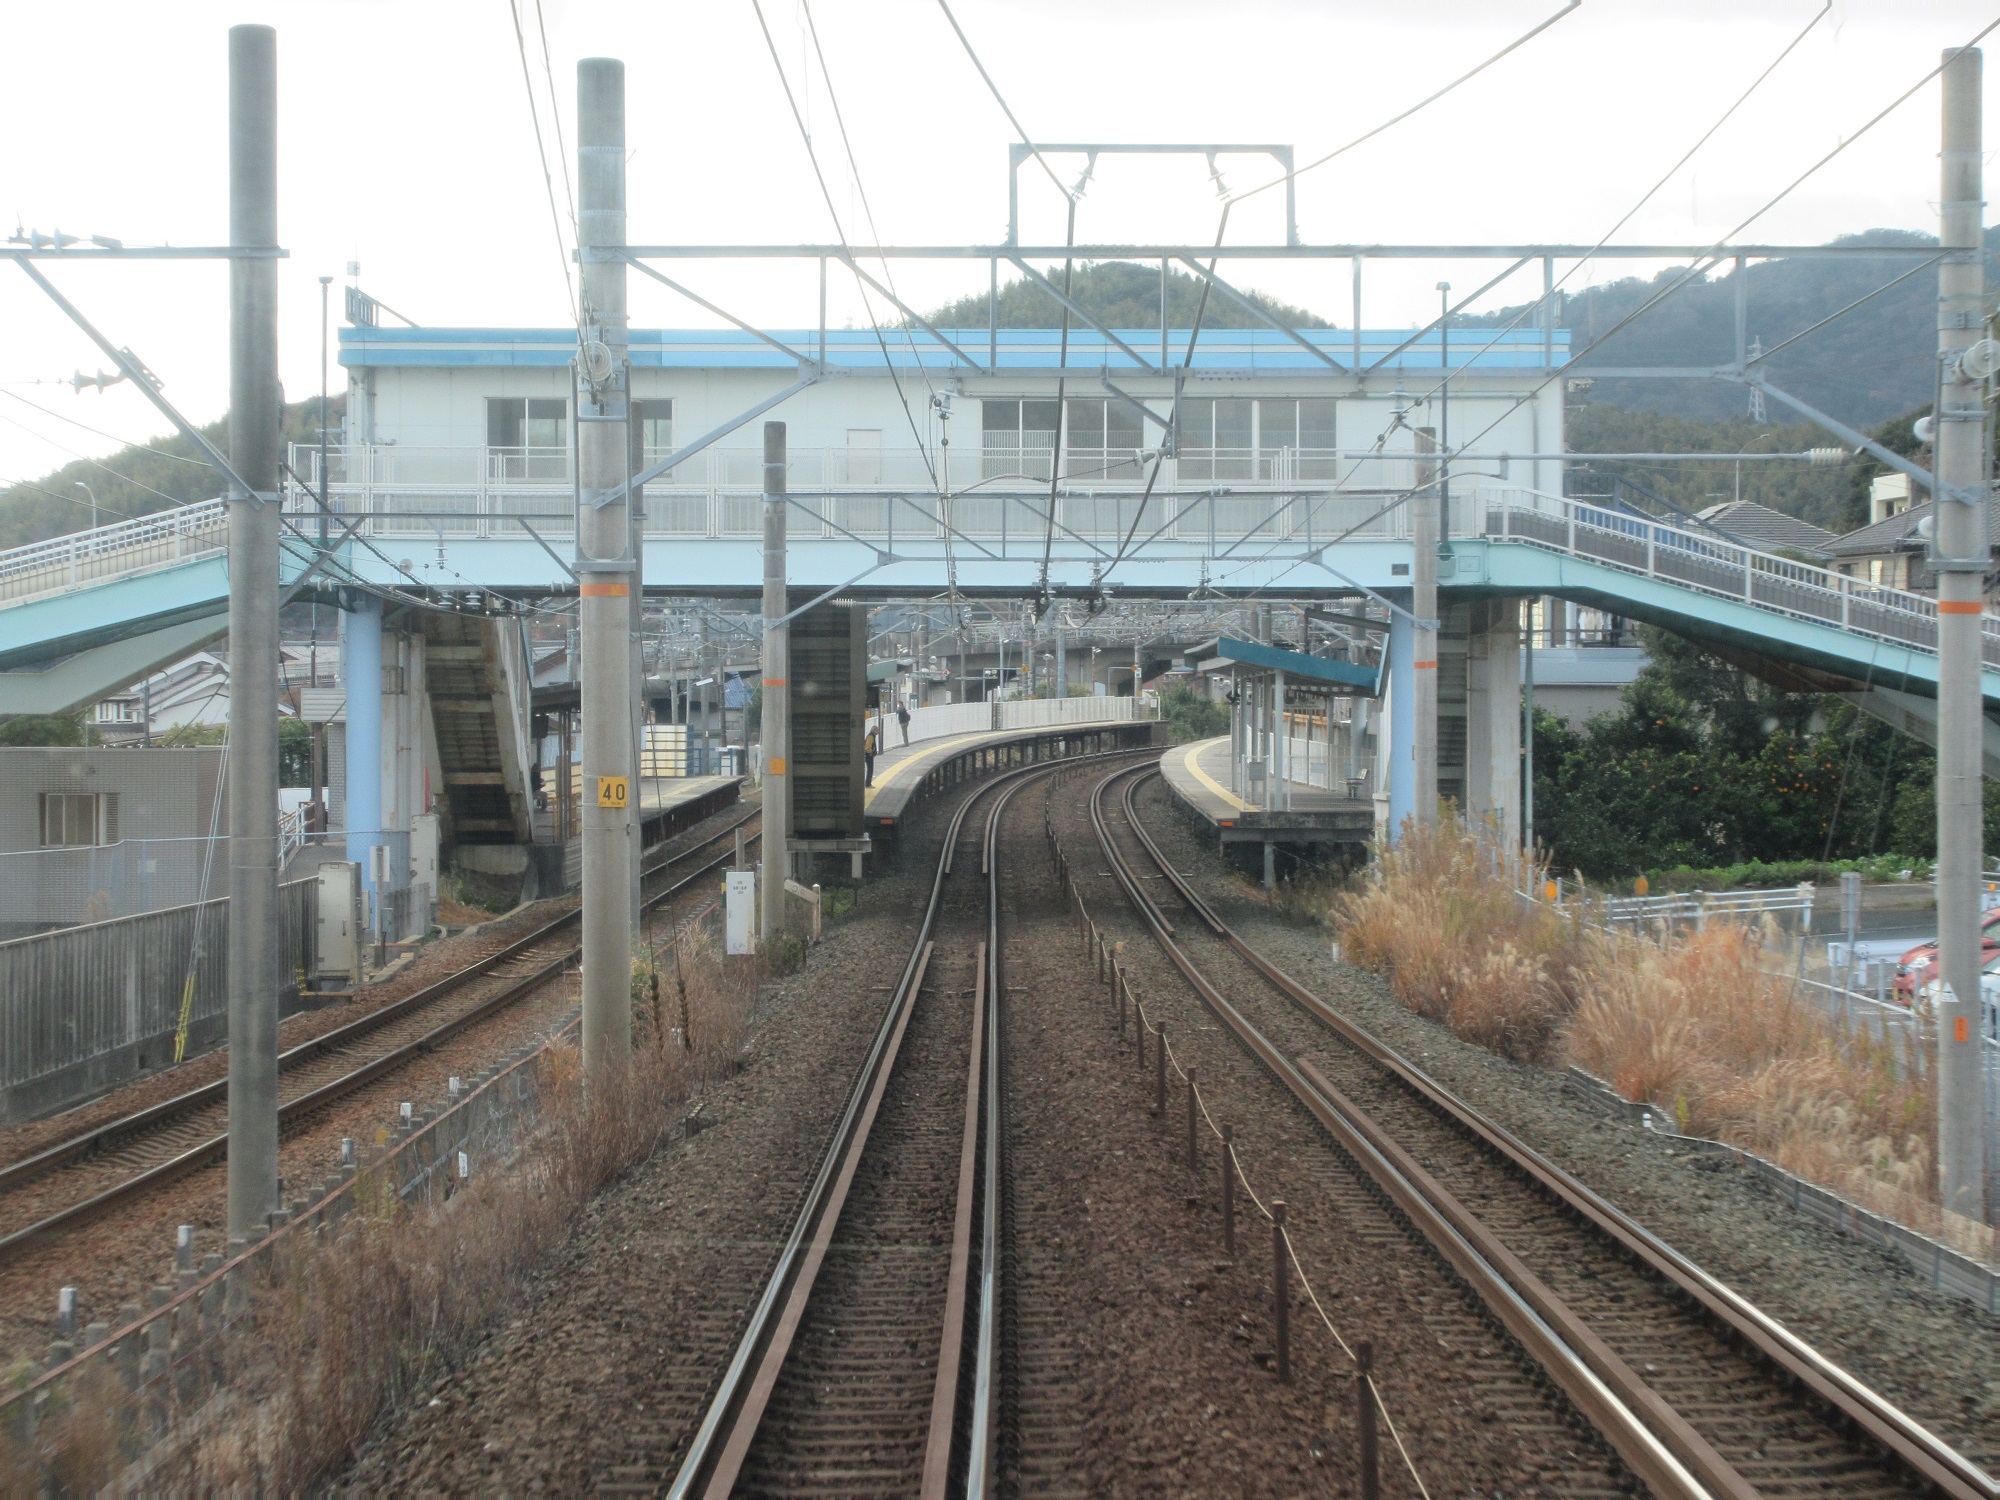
(1913,970)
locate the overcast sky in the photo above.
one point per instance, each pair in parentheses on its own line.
(406,144)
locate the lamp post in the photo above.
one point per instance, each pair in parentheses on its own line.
(93,502)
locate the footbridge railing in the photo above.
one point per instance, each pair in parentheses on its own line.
(1711,565)
(114,551)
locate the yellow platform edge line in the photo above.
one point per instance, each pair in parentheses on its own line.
(922,762)
(1188,763)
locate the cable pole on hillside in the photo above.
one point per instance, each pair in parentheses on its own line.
(1959,549)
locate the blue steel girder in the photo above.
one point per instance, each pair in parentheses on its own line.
(46,628)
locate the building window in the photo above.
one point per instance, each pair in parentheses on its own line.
(72,820)
(1100,437)
(1273,439)
(1017,437)
(656,427)
(527,438)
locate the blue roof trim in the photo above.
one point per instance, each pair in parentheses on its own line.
(1018,348)
(1296,664)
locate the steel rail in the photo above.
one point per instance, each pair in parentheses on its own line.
(1602,1387)
(215,1148)
(715,1457)
(99,1137)
(1900,1437)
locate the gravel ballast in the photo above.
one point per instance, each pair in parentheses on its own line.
(1936,1356)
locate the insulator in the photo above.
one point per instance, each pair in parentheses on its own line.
(1826,458)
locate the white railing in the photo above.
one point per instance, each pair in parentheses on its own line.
(1709,565)
(1697,907)
(63,562)
(876,494)
(941,720)
(292,833)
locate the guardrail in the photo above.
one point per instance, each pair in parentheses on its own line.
(1698,906)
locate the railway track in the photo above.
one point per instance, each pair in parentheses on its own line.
(871,1363)
(1698,1391)
(65,1185)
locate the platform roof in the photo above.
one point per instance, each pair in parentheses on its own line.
(1301,670)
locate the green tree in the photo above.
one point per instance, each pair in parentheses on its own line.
(294,752)
(44,729)
(1190,715)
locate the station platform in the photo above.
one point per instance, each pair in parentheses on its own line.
(903,772)
(667,804)
(1198,775)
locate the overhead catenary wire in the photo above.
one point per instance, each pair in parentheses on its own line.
(542,154)
(1706,259)
(840,232)
(179,458)
(1719,251)
(1222,223)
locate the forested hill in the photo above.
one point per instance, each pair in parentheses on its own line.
(134,481)
(1872,364)
(1120,294)
(1865,367)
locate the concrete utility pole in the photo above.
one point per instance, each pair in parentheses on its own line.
(1959,547)
(1426,515)
(254,429)
(604,567)
(777,730)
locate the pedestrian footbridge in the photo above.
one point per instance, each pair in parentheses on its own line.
(82,615)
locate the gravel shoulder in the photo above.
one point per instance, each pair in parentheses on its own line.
(599,1375)
(1936,1356)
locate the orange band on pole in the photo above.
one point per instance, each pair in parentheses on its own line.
(1960,607)
(774,682)
(1424,665)
(604,590)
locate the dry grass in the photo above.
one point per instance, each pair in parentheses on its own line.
(1440,915)
(1702,1026)
(1696,1023)
(341,1332)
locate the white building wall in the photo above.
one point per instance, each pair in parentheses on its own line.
(446,407)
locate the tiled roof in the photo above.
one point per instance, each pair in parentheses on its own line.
(1768,529)
(1899,533)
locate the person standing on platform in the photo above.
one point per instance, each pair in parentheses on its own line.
(870,744)
(903,720)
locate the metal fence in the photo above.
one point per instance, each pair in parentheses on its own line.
(46,888)
(88,1006)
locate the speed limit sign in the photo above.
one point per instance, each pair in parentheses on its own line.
(613,791)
